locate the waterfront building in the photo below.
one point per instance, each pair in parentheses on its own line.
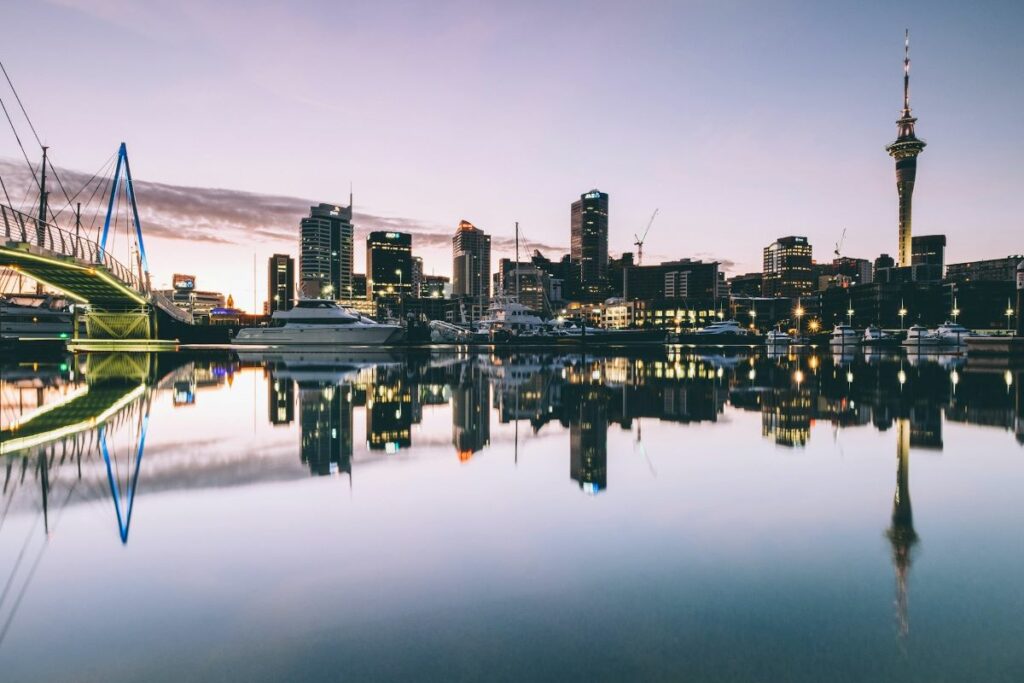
(533,284)
(389,412)
(199,303)
(928,257)
(991,270)
(682,279)
(417,277)
(904,150)
(326,249)
(471,269)
(389,265)
(280,283)
(747,284)
(435,287)
(589,243)
(787,269)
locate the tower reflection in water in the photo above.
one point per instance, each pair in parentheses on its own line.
(901,533)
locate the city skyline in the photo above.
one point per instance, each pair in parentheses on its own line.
(721,147)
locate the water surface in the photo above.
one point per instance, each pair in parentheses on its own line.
(674,516)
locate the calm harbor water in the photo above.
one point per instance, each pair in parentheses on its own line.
(354,516)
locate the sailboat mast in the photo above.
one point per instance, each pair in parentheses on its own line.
(517,261)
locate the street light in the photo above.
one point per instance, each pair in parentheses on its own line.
(753,317)
(1009,312)
(799,316)
(849,316)
(902,314)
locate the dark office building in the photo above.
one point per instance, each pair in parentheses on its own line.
(675,280)
(928,257)
(989,270)
(326,244)
(787,268)
(388,264)
(471,269)
(748,285)
(280,283)
(434,286)
(589,243)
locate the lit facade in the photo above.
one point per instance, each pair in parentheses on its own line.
(471,269)
(326,247)
(389,264)
(589,243)
(280,283)
(787,269)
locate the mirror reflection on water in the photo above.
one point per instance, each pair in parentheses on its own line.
(680,515)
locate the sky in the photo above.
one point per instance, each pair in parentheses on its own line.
(740,121)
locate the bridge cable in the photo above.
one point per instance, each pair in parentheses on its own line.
(87,184)
(34,133)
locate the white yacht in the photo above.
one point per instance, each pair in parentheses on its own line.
(725,327)
(953,333)
(844,335)
(919,337)
(777,338)
(319,322)
(507,315)
(876,336)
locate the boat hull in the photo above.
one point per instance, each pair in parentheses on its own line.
(369,335)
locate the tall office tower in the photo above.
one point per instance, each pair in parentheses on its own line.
(589,243)
(471,268)
(325,260)
(417,276)
(388,264)
(787,268)
(904,150)
(280,283)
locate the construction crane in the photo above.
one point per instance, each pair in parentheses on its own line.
(640,240)
(839,244)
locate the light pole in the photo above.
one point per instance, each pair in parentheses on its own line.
(753,317)
(902,314)
(799,316)
(1009,313)
(849,316)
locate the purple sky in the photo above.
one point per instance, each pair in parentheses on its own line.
(740,121)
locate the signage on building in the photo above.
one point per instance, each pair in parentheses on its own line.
(183,281)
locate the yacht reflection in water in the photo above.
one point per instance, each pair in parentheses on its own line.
(901,533)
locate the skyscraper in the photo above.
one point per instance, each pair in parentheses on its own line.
(388,264)
(471,268)
(280,283)
(589,243)
(787,268)
(325,261)
(904,150)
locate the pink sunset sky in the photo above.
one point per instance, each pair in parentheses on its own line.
(740,121)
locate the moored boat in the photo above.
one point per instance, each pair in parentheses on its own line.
(320,322)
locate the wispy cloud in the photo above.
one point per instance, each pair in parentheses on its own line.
(206,214)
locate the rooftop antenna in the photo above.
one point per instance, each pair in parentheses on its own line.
(906,72)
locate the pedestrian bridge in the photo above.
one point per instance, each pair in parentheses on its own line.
(115,302)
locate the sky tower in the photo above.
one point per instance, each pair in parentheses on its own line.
(904,150)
